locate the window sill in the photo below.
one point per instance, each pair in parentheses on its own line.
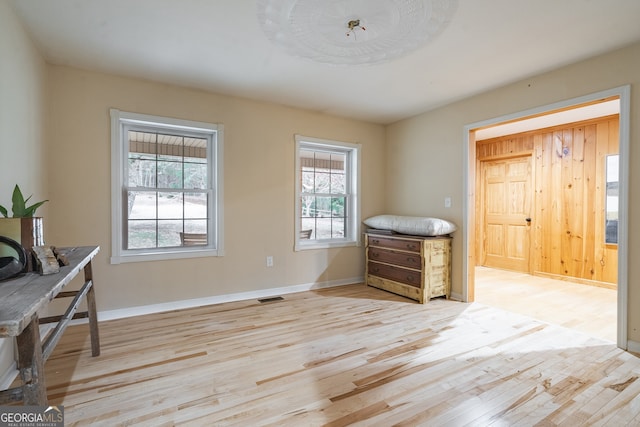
(324,245)
(167,255)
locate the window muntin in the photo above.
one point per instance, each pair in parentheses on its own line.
(167,185)
(323,197)
(327,193)
(167,188)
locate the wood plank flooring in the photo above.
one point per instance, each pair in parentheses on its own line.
(589,309)
(350,355)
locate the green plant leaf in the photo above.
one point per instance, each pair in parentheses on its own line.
(19,207)
(31,210)
(18,202)
(3,211)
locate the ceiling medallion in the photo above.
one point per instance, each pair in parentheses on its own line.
(352,32)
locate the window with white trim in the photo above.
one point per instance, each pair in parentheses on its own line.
(327,193)
(166,188)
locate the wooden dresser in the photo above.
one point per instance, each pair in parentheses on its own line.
(412,266)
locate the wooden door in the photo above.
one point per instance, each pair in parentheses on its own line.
(506,224)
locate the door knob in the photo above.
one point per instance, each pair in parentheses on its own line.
(528,219)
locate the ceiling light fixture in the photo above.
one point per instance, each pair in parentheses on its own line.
(351,32)
(354,25)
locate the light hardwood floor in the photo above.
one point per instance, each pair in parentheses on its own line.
(584,308)
(351,355)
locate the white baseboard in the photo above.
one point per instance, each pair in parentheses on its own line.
(8,376)
(11,372)
(456,297)
(633,346)
(218,299)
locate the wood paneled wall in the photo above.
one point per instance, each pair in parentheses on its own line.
(568,176)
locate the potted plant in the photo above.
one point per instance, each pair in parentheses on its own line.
(22,226)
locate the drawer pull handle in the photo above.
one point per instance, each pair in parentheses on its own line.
(409,278)
(411,246)
(375,240)
(411,259)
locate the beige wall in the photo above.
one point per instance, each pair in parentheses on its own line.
(22,122)
(258,188)
(408,168)
(22,118)
(425,153)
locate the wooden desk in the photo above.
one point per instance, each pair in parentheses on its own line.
(22,298)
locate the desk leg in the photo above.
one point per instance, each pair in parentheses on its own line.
(93,315)
(31,364)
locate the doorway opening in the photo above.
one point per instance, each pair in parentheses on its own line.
(589,309)
(556,237)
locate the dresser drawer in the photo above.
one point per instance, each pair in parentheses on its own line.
(392,257)
(402,244)
(399,274)
(412,266)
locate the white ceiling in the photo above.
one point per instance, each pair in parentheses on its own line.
(586,112)
(218,45)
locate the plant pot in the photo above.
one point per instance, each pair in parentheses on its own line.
(27,231)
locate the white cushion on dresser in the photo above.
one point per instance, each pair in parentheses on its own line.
(415,225)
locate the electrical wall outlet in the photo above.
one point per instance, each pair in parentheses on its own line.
(269,261)
(447,202)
